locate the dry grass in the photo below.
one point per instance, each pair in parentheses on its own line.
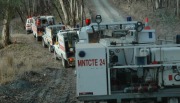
(11,67)
(23,56)
(7,69)
(1,46)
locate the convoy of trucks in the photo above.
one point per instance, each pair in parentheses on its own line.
(118,62)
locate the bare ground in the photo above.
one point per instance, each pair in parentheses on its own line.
(41,79)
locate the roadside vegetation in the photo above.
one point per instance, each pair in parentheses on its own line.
(22,56)
(7,70)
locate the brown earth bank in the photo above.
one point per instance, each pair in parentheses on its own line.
(162,20)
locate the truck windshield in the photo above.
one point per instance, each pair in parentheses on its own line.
(44,21)
(55,30)
(72,38)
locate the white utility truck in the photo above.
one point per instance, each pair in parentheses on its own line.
(65,47)
(40,22)
(28,25)
(126,65)
(49,37)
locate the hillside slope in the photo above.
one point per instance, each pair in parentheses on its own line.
(162,20)
(30,74)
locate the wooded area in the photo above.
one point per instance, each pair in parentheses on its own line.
(157,4)
(69,12)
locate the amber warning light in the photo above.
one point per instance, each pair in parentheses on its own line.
(88,21)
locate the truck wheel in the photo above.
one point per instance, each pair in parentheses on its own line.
(64,62)
(55,55)
(34,35)
(50,49)
(43,44)
(111,101)
(37,38)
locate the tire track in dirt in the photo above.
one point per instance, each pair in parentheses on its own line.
(60,89)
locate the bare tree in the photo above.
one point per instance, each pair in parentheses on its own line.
(56,8)
(5,32)
(66,17)
(177,8)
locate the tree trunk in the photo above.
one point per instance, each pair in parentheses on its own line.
(160,3)
(177,8)
(74,13)
(54,5)
(71,6)
(64,12)
(21,16)
(34,8)
(77,11)
(156,4)
(25,7)
(82,13)
(5,32)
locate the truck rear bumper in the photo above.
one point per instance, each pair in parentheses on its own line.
(129,96)
(29,31)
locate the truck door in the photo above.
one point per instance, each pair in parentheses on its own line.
(91,69)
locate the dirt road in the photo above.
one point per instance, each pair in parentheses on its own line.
(106,10)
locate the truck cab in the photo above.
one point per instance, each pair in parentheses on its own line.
(64,49)
(39,25)
(50,34)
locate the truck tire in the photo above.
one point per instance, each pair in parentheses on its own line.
(38,38)
(64,62)
(111,101)
(43,44)
(27,32)
(91,102)
(34,36)
(178,39)
(50,49)
(55,55)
